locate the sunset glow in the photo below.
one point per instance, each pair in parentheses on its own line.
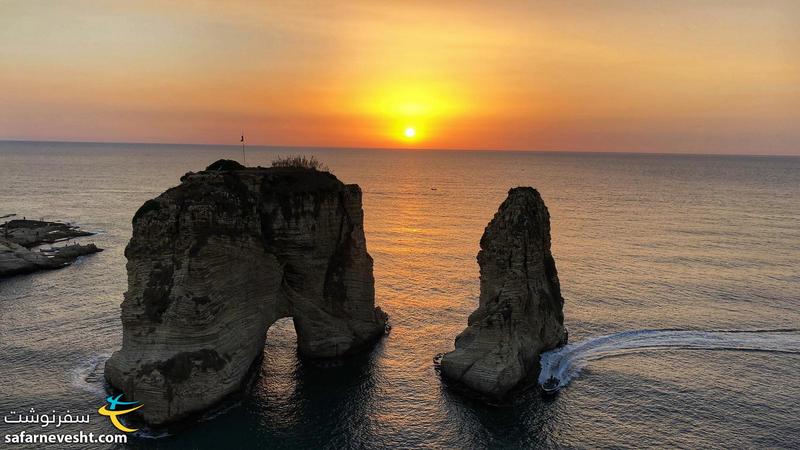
(713,76)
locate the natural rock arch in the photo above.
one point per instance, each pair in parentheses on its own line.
(213,262)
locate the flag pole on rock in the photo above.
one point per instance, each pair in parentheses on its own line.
(244,156)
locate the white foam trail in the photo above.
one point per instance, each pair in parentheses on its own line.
(149,434)
(566,363)
(89,375)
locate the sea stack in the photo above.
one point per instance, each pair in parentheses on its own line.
(213,262)
(520,313)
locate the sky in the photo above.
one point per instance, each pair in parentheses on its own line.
(635,76)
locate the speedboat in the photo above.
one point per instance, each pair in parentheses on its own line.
(551,386)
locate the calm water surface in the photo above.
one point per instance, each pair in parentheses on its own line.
(642,242)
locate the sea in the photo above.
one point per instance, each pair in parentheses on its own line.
(680,274)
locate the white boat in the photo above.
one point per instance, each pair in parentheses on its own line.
(551,386)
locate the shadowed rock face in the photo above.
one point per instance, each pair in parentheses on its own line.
(216,260)
(520,312)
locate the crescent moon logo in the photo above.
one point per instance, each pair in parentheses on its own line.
(113,413)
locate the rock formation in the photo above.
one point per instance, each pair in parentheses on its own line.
(216,260)
(18,237)
(520,311)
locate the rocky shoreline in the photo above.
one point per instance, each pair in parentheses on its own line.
(20,237)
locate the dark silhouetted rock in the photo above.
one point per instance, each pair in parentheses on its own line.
(225,164)
(17,237)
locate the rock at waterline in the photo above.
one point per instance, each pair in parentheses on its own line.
(520,313)
(18,237)
(215,261)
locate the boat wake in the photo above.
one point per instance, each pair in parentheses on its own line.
(566,363)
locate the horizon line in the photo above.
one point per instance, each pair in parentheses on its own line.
(412,149)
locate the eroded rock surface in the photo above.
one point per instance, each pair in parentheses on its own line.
(520,311)
(18,237)
(216,260)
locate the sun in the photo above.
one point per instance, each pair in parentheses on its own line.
(409,133)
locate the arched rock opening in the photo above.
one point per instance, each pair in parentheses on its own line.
(215,261)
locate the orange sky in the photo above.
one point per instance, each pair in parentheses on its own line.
(707,77)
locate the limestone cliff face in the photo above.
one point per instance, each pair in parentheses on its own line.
(520,312)
(216,260)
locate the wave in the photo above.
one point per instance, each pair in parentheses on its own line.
(566,363)
(150,434)
(89,375)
